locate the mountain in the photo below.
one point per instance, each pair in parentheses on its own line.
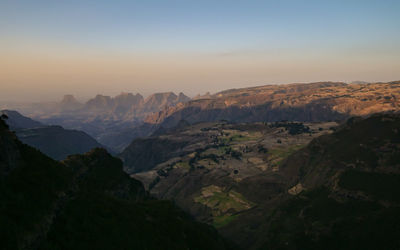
(129,105)
(233,165)
(321,101)
(182,98)
(54,141)
(116,121)
(281,185)
(158,101)
(17,121)
(344,190)
(113,121)
(69,103)
(100,102)
(127,102)
(85,202)
(57,142)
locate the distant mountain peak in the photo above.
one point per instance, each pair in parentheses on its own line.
(69,103)
(183,98)
(68,99)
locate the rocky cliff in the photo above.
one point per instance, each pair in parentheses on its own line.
(301,102)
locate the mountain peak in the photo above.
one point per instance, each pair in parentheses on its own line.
(68,99)
(183,98)
(69,103)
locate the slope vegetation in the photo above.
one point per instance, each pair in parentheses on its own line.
(85,202)
(284,185)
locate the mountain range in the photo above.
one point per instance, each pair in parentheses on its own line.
(295,166)
(321,101)
(103,117)
(116,121)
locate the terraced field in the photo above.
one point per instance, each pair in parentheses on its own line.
(215,170)
(225,204)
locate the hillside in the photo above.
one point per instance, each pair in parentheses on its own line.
(54,141)
(217,171)
(351,182)
(57,142)
(17,121)
(281,185)
(85,202)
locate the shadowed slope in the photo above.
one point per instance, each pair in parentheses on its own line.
(85,202)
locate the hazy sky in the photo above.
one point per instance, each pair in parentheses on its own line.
(49,48)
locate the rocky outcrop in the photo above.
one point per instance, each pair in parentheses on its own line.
(129,104)
(158,101)
(100,102)
(126,102)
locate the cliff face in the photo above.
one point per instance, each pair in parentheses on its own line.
(301,102)
(129,105)
(85,202)
(121,103)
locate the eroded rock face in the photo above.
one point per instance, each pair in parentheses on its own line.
(302,102)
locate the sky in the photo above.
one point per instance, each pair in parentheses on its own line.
(84,48)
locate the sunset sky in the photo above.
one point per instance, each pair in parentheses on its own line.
(51,48)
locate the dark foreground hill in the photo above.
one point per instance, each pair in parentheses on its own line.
(85,202)
(17,121)
(54,141)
